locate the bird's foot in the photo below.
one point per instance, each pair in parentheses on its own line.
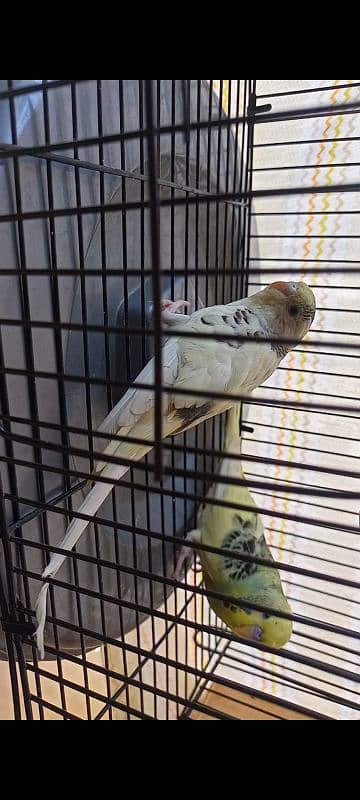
(170,312)
(174,306)
(186,553)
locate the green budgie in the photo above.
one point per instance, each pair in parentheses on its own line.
(242,532)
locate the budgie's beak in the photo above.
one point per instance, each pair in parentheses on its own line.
(254,634)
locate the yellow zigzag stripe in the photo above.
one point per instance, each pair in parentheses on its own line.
(335,146)
(326,205)
(348,92)
(309,227)
(320,249)
(315,181)
(323,224)
(342,178)
(335,95)
(226,91)
(329,177)
(321,152)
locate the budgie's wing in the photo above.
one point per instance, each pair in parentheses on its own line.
(219,358)
(196,364)
(137,402)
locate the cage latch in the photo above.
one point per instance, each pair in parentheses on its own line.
(15,624)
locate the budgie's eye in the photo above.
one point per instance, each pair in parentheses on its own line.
(294,311)
(266,616)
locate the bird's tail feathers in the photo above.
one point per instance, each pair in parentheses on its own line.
(89,508)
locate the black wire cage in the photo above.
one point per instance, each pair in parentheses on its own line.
(115,195)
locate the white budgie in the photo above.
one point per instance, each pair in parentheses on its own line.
(228,367)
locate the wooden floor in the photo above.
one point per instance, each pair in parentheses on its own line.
(241,706)
(235,705)
(6,707)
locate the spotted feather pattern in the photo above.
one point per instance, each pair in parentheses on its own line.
(243,539)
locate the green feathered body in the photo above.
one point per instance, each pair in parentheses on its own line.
(237,531)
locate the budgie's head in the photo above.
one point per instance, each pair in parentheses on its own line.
(289,309)
(265,628)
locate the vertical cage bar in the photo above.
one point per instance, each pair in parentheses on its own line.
(156,270)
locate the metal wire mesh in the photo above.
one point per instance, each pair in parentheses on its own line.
(116,194)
